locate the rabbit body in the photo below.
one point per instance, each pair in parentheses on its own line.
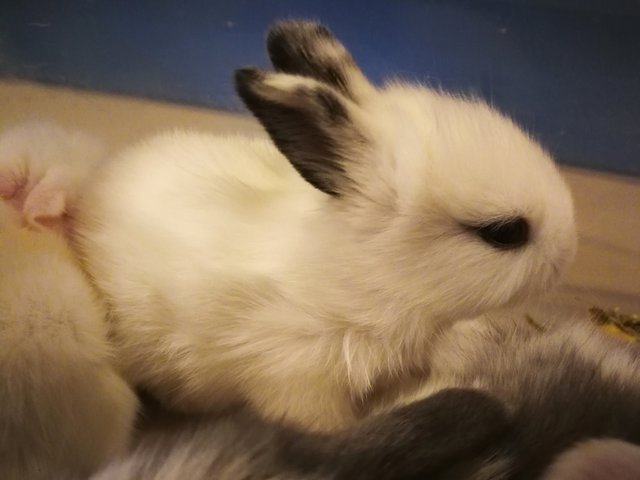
(303,274)
(64,410)
(219,302)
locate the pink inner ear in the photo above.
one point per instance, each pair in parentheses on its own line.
(8,186)
(44,203)
(12,190)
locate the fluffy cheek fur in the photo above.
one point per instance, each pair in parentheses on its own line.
(62,406)
(433,264)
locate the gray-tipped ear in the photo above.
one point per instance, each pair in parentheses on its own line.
(309,123)
(310,49)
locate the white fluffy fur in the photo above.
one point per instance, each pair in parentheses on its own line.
(63,408)
(232,279)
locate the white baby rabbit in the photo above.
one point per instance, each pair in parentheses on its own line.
(304,274)
(63,408)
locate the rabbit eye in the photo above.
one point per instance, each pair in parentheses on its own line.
(505,234)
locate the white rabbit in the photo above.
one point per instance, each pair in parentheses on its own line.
(63,408)
(304,275)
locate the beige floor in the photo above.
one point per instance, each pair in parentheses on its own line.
(606,271)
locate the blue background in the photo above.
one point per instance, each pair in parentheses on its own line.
(568,70)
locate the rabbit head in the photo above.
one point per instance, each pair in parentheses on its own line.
(447,201)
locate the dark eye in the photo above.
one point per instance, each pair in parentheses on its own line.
(505,234)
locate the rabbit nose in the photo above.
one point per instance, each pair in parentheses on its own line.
(506,234)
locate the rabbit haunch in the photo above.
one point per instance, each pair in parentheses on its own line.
(301,274)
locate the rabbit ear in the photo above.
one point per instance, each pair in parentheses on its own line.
(310,123)
(45,203)
(10,185)
(309,49)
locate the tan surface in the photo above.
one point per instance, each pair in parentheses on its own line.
(607,269)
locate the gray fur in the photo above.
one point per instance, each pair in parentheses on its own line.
(310,125)
(438,430)
(534,396)
(564,386)
(309,49)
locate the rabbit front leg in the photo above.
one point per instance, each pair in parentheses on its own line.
(290,367)
(309,399)
(280,369)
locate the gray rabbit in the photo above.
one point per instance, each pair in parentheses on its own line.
(504,403)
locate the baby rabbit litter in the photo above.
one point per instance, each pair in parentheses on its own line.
(63,408)
(307,274)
